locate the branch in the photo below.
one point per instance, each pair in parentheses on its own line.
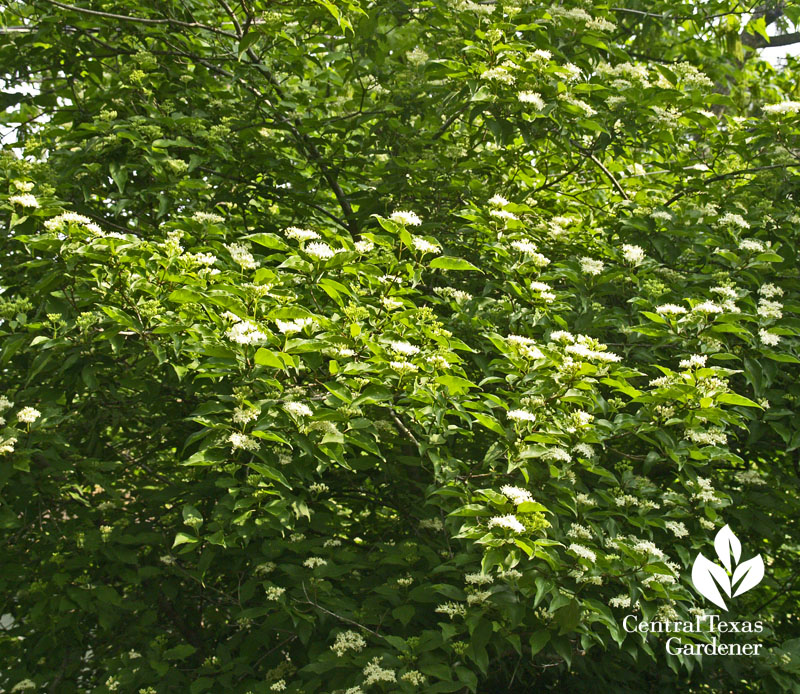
(730,174)
(609,175)
(333,614)
(403,428)
(141,20)
(774,41)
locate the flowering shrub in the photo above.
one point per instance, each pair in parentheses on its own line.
(352,347)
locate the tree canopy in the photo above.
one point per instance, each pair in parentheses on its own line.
(351,347)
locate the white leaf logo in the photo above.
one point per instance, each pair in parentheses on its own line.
(708,578)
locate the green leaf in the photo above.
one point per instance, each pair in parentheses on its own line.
(733,399)
(539,640)
(182,538)
(450,263)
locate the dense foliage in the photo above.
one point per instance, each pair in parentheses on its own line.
(352,347)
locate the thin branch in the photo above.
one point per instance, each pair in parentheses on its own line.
(403,427)
(339,617)
(602,167)
(141,20)
(731,174)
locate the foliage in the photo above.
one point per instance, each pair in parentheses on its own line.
(385,347)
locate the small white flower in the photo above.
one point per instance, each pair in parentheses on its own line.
(28,415)
(405,348)
(300,234)
(207,218)
(405,218)
(298,409)
(314,562)
(498,201)
(533,98)
(242,256)
(247,443)
(524,246)
(509,522)
(320,250)
(707,308)
(784,107)
(633,254)
(521,416)
(424,246)
(364,246)
(516,495)
(348,641)
(583,552)
(695,361)
(752,246)
(591,266)
(273,593)
(24,200)
(768,338)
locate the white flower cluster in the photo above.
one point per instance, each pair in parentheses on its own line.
(582,552)
(298,409)
(457,295)
(404,348)
(526,346)
(373,673)
(67,218)
(750,477)
(245,333)
(295,326)
(695,361)
(770,290)
(406,218)
(768,338)
(516,495)
(415,677)
(732,219)
(241,255)
(770,309)
(782,108)
(751,246)
(273,593)
(498,74)
(28,415)
(24,200)
(478,579)
(581,350)
(620,601)
(314,562)
(532,98)
(707,308)
(243,415)
(509,522)
(557,454)
(348,641)
(247,443)
(633,254)
(579,532)
(670,310)
(521,416)
(591,266)
(207,218)
(451,609)
(364,246)
(320,250)
(713,437)
(417,56)
(502,214)
(677,528)
(300,234)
